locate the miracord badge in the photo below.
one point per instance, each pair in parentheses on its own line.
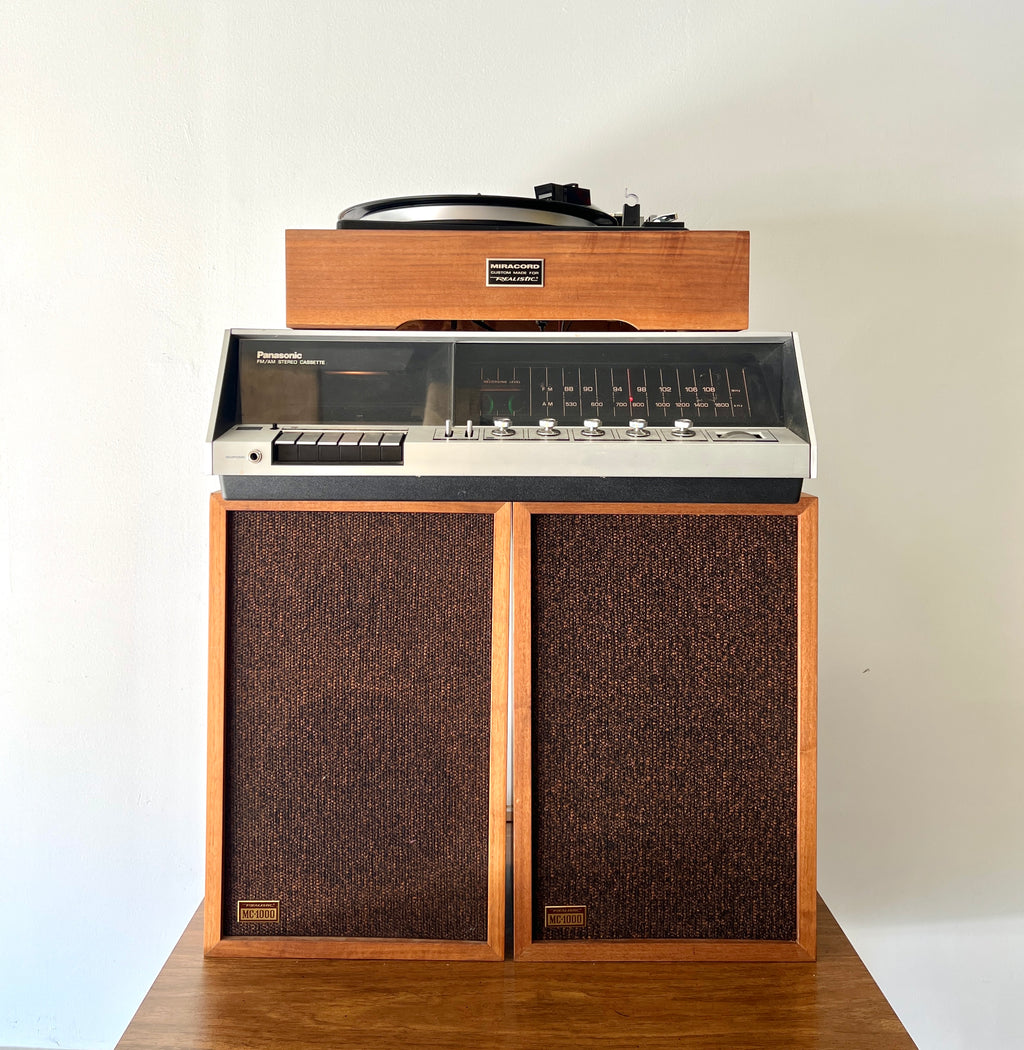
(502,273)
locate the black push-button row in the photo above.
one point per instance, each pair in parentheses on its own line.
(296,446)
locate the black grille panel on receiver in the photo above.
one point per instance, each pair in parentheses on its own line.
(357,722)
(665,726)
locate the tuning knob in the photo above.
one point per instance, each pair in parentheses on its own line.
(546,427)
(638,429)
(683,428)
(502,427)
(592,428)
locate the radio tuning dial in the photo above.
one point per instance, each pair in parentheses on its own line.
(592,428)
(638,429)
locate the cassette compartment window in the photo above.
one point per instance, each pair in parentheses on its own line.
(331,382)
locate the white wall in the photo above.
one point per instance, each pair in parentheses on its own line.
(153,155)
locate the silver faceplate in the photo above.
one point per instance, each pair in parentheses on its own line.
(786,451)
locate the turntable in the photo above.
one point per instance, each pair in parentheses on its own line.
(515,263)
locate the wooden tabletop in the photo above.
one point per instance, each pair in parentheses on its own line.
(226,1004)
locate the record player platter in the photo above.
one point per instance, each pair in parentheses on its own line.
(466,211)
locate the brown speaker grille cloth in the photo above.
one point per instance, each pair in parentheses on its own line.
(665,725)
(358,723)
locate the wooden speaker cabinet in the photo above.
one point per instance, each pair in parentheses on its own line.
(664,731)
(357,730)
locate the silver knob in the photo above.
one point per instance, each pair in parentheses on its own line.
(502,427)
(546,427)
(637,428)
(592,428)
(683,428)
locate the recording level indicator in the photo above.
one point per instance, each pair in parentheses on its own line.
(502,393)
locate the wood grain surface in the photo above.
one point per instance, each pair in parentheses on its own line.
(649,279)
(224,1004)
